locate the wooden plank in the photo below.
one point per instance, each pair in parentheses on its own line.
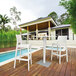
(63,70)
(48,70)
(51,73)
(68,69)
(55,69)
(60,66)
(73,66)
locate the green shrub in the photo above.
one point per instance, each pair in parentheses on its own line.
(8,39)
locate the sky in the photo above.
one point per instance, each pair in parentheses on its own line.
(31,9)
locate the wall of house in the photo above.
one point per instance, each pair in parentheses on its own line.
(75,37)
(70,34)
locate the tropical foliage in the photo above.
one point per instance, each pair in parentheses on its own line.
(7,35)
(15,15)
(64,19)
(8,39)
(4,20)
(70,5)
(53,15)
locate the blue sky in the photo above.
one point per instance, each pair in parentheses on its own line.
(31,9)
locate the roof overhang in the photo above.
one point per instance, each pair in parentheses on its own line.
(38,21)
(61,26)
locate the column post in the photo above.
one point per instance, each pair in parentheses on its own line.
(20,30)
(36,31)
(49,30)
(27,33)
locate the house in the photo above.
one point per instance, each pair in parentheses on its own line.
(47,26)
(64,30)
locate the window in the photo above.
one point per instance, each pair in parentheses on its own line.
(62,32)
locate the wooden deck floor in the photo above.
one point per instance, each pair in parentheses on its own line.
(55,69)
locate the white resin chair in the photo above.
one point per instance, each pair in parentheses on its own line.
(61,47)
(20,46)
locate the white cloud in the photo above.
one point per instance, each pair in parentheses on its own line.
(31,9)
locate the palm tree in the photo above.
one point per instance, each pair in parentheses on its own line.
(4,20)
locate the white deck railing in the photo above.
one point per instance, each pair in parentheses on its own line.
(48,38)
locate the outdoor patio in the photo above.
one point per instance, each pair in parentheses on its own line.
(55,69)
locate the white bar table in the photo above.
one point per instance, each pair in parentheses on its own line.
(44,62)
